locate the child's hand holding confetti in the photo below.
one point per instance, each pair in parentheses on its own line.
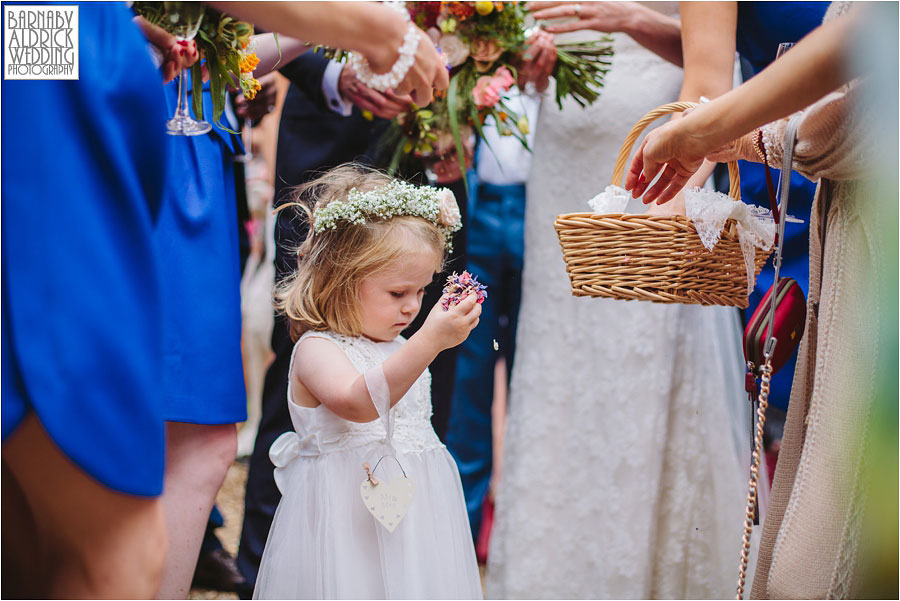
(459,286)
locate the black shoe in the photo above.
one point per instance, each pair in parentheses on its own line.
(218,571)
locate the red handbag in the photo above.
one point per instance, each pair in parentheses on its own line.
(787,308)
(790,319)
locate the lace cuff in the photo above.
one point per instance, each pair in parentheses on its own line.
(830,141)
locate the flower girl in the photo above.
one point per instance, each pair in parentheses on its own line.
(372,506)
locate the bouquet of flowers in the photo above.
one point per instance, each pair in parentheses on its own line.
(226,52)
(482,42)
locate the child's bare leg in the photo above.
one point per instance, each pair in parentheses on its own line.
(87,540)
(197,458)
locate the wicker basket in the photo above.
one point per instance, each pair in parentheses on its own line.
(658,258)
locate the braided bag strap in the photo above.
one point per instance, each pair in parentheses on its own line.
(790,137)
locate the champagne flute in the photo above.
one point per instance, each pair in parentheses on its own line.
(183,21)
(782,48)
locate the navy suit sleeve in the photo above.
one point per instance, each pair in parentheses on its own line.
(306,72)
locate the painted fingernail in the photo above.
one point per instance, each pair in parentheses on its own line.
(641,178)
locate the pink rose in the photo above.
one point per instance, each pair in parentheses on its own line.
(449,214)
(503,78)
(485,93)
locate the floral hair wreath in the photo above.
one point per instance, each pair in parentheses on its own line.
(437,205)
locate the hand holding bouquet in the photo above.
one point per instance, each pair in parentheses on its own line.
(484,44)
(226,51)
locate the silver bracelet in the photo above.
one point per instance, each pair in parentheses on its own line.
(385,81)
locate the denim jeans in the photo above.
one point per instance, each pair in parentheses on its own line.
(496,244)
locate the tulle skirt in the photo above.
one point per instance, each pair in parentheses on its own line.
(324,543)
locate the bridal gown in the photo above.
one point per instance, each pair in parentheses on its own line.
(628,426)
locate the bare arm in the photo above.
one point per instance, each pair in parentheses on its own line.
(831,140)
(654,31)
(657,33)
(327,374)
(374,30)
(708,31)
(815,67)
(272,55)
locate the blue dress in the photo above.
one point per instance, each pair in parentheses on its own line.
(83,166)
(761,27)
(204,377)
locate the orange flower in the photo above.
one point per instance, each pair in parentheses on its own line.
(460,10)
(253,88)
(248,63)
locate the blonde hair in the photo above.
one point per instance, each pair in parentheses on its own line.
(323,291)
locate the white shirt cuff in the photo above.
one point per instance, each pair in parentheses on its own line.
(330,89)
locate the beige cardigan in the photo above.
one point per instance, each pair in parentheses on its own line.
(811,534)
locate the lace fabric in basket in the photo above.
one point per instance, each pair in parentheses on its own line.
(612,200)
(709,210)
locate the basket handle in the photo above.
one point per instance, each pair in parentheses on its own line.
(640,126)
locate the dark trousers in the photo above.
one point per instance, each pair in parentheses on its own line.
(496,248)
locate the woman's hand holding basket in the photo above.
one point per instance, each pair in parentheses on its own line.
(669,150)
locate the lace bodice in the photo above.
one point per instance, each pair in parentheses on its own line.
(321,431)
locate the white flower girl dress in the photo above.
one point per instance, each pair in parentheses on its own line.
(325,544)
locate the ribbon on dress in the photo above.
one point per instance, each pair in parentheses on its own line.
(380,393)
(387,501)
(283,451)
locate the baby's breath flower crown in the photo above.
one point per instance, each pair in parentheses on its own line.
(437,205)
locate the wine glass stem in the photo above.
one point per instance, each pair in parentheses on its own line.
(181,109)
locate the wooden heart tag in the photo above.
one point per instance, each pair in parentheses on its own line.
(387,501)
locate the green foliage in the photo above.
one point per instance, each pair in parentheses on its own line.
(580,70)
(221,41)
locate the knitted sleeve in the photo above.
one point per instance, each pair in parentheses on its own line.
(831,139)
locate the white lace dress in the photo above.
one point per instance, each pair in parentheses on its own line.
(324,543)
(621,476)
